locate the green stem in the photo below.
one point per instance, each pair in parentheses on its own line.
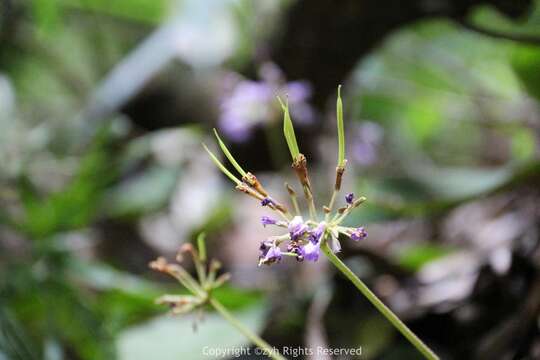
(311,203)
(295,204)
(254,338)
(403,329)
(331,204)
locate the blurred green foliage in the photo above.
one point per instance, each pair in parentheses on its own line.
(443,97)
(526,62)
(76,204)
(414,257)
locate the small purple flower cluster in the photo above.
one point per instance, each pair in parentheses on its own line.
(267,201)
(304,242)
(304,238)
(358,234)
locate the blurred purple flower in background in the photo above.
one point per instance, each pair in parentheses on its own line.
(365,142)
(247,104)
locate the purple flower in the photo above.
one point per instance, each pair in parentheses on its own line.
(265,220)
(273,255)
(298,94)
(311,251)
(271,73)
(359,234)
(269,253)
(365,145)
(237,131)
(247,104)
(267,201)
(297,228)
(349,198)
(315,235)
(298,91)
(294,248)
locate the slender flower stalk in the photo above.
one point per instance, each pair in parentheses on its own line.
(390,316)
(294,200)
(300,167)
(254,338)
(202,291)
(340,168)
(305,239)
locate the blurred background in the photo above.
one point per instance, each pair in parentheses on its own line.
(104,104)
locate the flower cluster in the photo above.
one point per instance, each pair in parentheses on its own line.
(303,239)
(201,288)
(247,104)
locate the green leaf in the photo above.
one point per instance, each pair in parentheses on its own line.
(102,277)
(173,337)
(150,12)
(14,342)
(77,204)
(121,309)
(526,62)
(523,144)
(122,298)
(375,334)
(229,155)
(236,299)
(460,182)
(143,194)
(416,256)
(288,130)
(72,316)
(423,118)
(340,129)
(47,14)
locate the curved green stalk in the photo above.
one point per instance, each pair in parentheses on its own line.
(403,329)
(221,166)
(254,338)
(340,129)
(229,155)
(331,205)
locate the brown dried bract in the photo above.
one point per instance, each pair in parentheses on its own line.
(252,181)
(300,167)
(249,191)
(339,176)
